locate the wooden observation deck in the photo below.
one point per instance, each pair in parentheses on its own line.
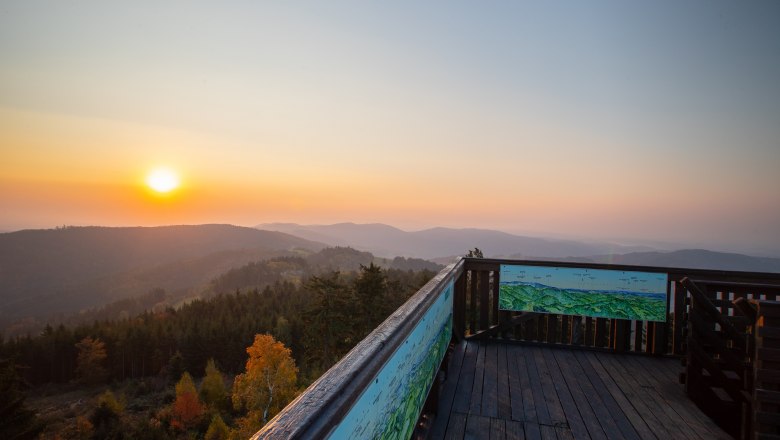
(498,390)
(459,360)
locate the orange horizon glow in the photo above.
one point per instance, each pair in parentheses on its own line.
(603,127)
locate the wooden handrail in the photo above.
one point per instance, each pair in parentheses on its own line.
(475,313)
(320,408)
(704,304)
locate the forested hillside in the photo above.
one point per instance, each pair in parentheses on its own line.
(318,316)
(43,272)
(257,274)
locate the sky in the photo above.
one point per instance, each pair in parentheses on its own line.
(604,120)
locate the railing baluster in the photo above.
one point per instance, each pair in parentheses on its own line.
(494,282)
(484,299)
(639,334)
(473,305)
(601,336)
(680,296)
(459,308)
(565,330)
(588,339)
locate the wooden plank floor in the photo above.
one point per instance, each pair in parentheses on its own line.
(495,390)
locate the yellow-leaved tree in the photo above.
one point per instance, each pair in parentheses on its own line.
(187,409)
(89,363)
(268,384)
(212,389)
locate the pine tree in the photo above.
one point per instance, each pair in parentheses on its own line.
(329,319)
(107,416)
(370,290)
(217,430)
(16,421)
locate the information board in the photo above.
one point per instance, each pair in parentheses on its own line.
(599,293)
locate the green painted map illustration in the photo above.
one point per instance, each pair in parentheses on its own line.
(586,292)
(390,406)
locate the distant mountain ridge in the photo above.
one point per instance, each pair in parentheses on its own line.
(387,241)
(62,271)
(441,244)
(691,259)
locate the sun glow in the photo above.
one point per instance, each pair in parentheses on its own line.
(162,180)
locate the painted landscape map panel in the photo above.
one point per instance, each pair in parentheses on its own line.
(598,293)
(391,405)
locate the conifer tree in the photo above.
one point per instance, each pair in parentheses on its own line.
(217,429)
(107,416)
(329,320)
(16,421)
(370,290)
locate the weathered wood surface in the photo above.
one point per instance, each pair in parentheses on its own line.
(482,318)
(316,412)
(766,393)
(497,390)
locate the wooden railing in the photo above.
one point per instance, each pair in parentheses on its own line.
(476,311)
(699,314)
(721,355)
(764,419)
(703,327)
(350,389)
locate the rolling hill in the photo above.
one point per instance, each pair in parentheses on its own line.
(68,269)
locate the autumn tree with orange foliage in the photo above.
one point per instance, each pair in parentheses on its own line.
(187,408)
(89,363)
(268,384)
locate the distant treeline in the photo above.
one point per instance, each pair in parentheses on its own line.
(319,314)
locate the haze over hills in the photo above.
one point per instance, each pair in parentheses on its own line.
(67,269)
(690,258)
(384,240)
(439,244)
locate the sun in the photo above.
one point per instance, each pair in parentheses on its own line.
(162,180)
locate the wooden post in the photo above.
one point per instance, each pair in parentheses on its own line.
(639,331)
(620,331)
(494,295)
(552,329)
(680,297)
(601,337)
(589,332)
(472,310)
(766,371)
(484,299)
(459,307)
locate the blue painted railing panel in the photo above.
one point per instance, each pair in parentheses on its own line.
(391,405)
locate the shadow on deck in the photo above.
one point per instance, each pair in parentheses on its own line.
(496,390)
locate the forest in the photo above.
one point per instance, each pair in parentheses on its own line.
(190,371)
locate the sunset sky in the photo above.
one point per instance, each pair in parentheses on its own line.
(595,120)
